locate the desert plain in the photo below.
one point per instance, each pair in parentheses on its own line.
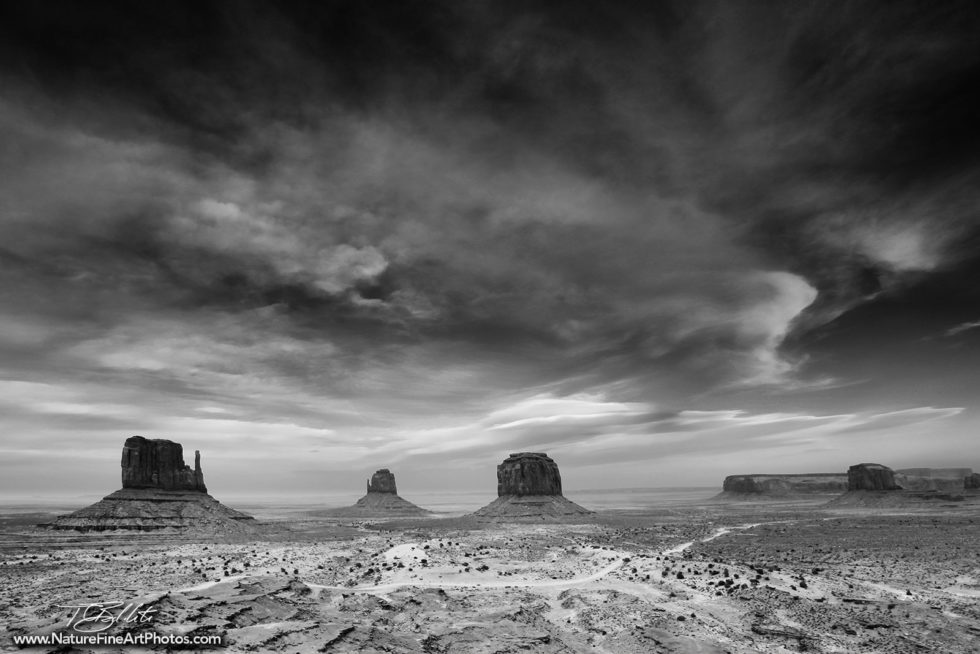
(706,576)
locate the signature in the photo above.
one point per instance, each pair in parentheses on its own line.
(99,616)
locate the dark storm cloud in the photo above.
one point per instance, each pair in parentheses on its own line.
(394,220)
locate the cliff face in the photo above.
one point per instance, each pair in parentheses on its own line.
(159,464)
(383,481)
(528,473)
(972,481)
(785,484)
(871,476)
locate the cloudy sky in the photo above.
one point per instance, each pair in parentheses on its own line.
(663,242)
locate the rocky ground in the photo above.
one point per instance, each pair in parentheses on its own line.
(757,578)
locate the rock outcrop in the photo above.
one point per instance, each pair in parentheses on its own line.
(972,481)
(382,482)
(160,492)
(925,479)
(159,464)
(871,477)
(382,500)
(785,485)
(529,490)
(528,473)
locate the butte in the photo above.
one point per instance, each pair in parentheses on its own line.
(159,492)
(529,490)
(381,501)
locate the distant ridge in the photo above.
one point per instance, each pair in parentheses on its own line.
(872,485)
(781,486)
(793,476)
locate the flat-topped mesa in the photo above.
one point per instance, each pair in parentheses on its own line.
(159,464)
(871,476)
(382,481)
(528,473)
(936,473)
(789,484)
(929,479)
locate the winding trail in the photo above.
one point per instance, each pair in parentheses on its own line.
(535,583)
(718,533)
(406,548)
(208,584)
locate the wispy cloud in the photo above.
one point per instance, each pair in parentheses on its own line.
(456,231)
(962,327)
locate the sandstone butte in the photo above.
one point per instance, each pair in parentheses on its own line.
(382,481)
(159,492)
(529,490)
(381,500)
(871,477)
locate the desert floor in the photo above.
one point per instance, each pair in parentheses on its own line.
(777,577)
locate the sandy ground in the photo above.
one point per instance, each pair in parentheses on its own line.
(746,578)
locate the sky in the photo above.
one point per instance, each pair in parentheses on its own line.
(663,242)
